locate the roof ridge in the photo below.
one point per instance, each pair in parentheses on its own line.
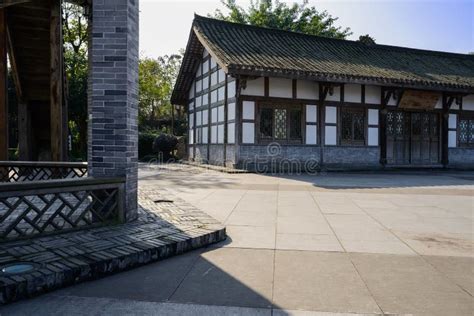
(350,42)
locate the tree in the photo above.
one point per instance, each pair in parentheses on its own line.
(367,39)
(156,78)
(75,38)
(279,15)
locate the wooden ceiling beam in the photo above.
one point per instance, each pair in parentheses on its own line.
(8,3)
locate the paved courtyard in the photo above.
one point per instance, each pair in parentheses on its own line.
(333,244)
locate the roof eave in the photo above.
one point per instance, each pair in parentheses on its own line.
(237,70)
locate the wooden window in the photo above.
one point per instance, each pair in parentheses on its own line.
(353,123)
(466,130)
(280,123)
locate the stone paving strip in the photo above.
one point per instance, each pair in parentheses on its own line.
(166,226)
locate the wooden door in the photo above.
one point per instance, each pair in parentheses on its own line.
(413,138)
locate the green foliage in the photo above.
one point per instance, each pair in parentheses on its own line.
(156,81)
(145,143)
(367,39)
(279,15)
(165,145)
(76,66)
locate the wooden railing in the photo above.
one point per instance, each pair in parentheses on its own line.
(19,171)
(43,207)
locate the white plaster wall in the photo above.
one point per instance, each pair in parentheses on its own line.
(221,75)
(280,88)
(231,133)
(248,110)
(198,118)
(452,120)
(452,139)
(205,99)
(191,120)
(231,111)
(205,83)
(392,101)
(214,78)
(213,134)
(353,93)
(199,71)
(307,90)
(191,136)
(255,87)
(311,113)
(205,117)
(331,114)
(199,86)
(330,135)
(336,96)
(248,133)
(373,116)
(205,134)
(372,94)
(198,101)
(373,137)
(205,67)
(213,96)
(220,113)
(220,133)
(231,89)
(221,94)
(311,134)
(213,63)
(214,115)
(468,102)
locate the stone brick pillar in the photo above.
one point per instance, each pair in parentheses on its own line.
(113,95)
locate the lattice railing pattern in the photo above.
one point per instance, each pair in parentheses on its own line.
(37,171)
(31,209)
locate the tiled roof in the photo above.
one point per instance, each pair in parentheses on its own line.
(256,51)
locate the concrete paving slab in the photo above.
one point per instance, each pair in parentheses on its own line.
(460,270)
(50,305)
(320,281)
(155,282)
(229,277)
(250,237)
(308,242)
(241,218)
(408,284)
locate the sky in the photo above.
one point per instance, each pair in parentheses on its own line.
(434,25)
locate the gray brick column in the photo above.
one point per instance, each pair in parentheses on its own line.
(113,94)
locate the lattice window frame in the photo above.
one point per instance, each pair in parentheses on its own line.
(465,120)
(352,112)
(288,107)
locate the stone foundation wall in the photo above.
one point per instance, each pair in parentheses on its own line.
(352,157)
(461,157)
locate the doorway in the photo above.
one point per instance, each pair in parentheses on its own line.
(413,138)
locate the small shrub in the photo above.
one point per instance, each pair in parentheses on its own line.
(145,143)
(165,144)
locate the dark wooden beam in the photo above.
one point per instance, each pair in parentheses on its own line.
(7,3)
(384,98)
(3,87)
(56,82)
(24,131)
(447,101)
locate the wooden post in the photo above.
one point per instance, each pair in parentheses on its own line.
(56,82)
(24,131)
(445,130)
(321,123)
(3,87)
(172,119)
(383,126)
